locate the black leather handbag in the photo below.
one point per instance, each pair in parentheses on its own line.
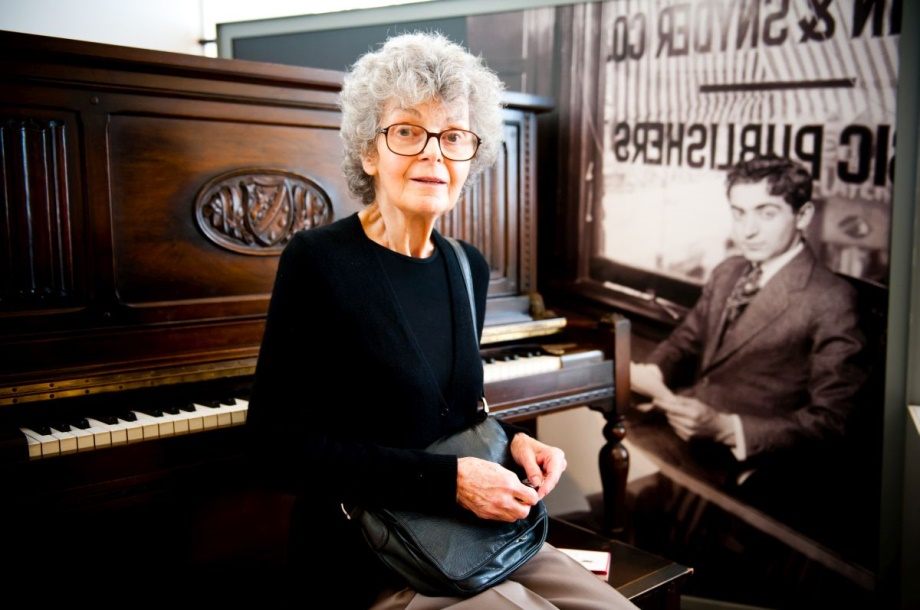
(456,554)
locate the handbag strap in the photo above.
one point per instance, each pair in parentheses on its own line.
(468,280)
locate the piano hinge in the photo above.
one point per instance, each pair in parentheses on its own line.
(124,380)
(541,407)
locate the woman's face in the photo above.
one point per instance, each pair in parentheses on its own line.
(426,184)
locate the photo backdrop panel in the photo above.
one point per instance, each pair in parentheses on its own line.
(694,87)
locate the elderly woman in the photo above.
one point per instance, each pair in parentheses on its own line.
(368,354)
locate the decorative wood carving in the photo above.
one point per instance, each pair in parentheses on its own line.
(494,214)
(257,211)
(36,253)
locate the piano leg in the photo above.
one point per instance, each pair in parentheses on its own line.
(614,458)
(613,463)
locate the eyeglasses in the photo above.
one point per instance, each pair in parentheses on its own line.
(409,140)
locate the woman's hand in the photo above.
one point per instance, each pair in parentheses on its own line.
(542,463)
(491,491)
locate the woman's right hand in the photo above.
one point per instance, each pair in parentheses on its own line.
(491,491)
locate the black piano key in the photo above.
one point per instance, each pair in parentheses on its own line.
(188,407)
(151,411)
(109,420)
(211,404)
(80,423)
(127,416)
(227,401)
(42,429)
(61,426)
(171,410)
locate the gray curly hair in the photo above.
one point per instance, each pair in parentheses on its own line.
(415,68)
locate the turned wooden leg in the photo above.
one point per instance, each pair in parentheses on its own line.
(614,459)
(613,462)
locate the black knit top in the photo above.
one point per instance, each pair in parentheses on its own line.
(346,395)
(423,295)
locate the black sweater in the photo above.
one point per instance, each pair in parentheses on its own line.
(423,295)
(344,402)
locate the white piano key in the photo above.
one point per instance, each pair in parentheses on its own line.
(224,417)
(180,422)
(34,439)
(35,446)
(167,425)
(67,440)
(84,436)
(150,426)
(501,370)
(195,419)
(534,365)
(101,436)
(49,444)
(208,416)
(582,357)
(225,414)
(134,431)
(544,364)
(118,432)
(238,411)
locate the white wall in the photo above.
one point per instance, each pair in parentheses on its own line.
(164,25)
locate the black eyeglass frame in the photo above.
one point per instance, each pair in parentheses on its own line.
(428,136)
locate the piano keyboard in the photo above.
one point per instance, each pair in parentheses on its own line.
(90,433)
(532,361)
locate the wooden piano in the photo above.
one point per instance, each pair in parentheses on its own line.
(145,199)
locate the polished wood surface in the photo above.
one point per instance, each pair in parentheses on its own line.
(113,145)
(129,176)
(647,580)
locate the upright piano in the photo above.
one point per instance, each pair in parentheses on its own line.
(145,200)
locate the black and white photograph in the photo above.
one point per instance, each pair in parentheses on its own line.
(749,156)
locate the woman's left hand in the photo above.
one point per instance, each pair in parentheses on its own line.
(542,463)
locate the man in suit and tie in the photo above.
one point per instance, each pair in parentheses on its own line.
(774,339)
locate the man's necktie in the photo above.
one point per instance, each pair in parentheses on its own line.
(747,286)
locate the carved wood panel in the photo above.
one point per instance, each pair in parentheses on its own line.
(258,210)
(36,243)
(193,199)
(497,213)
